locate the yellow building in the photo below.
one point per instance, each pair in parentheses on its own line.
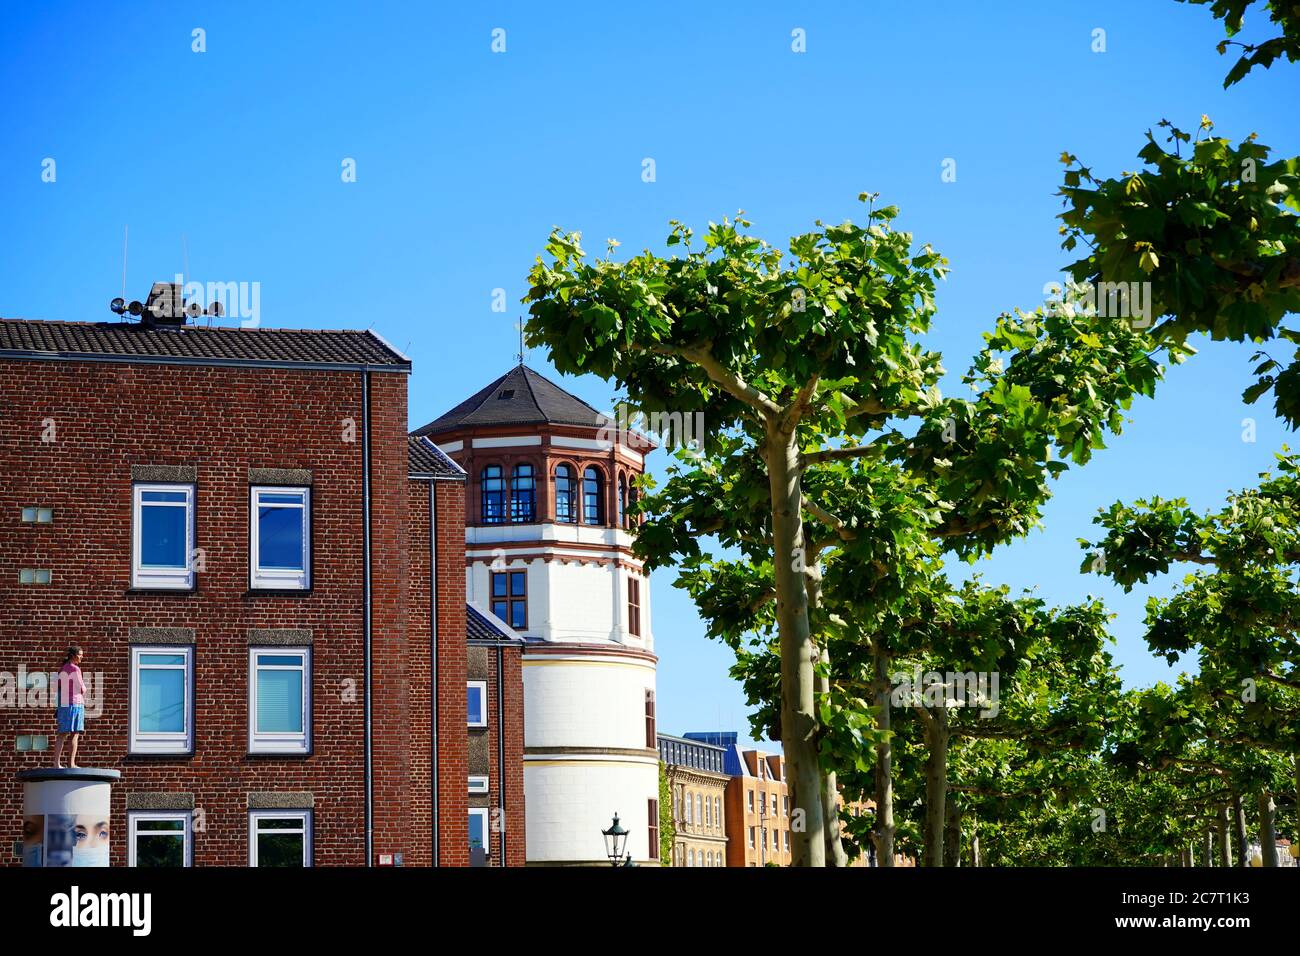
(699,785)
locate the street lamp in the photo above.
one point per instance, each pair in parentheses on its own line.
(615,840)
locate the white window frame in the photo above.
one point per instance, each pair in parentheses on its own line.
(478,783)
(278,579)
(279,743)
(486,814)
(304,815)
(153,742)
(181,579)
(481,686)
(135,817)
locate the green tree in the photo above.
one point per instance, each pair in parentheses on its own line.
(1210,224)
(1237,615)
(806,363)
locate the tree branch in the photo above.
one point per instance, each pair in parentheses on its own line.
(799,407)
(842,531)
(833,454)
(731,382)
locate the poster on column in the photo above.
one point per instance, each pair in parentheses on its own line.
(66,817)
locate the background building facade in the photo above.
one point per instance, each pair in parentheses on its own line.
(698,785)
(548,550)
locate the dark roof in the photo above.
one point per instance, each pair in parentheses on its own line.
(482,627)
(427,460)
(520,397)
(194,344)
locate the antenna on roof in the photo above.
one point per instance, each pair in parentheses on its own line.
(126,244)
(520,326)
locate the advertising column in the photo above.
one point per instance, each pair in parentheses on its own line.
(66,814)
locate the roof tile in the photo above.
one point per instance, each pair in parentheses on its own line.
(220,345)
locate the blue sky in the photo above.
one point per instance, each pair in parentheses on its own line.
(465,158)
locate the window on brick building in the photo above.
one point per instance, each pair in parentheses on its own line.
(652,811)
(787,841)
(162,536)
(751,801)
(699,809)
(477,692)
(480,841)
(478,783)
(159,839)
(492,487)
(753,834)
(279,700)
(523,495)
(774,804)
(649,718)
(593,497)
(510,597)
(634,606)
(622,502)
(281,538)
(566,506)
(279,838)
(717,812)
(785,806)
(162,700)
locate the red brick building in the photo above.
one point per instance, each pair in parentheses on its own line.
(267,578)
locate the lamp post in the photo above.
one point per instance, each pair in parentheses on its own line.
(615,842)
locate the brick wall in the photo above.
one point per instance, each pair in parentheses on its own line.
(108,417)
(452,770)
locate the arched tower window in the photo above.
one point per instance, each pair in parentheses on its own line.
(494,495)
(593,497)
(566,506)
(523,495)
(631,503)
(622,501)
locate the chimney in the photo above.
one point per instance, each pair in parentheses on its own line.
(165,305)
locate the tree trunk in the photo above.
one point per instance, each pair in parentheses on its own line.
(884,762)
(1225,840)
(952,835)
(798,711)
(1239,820)
(1209,848)
(936,782)
(1267,835)
(835,854)
(975,859)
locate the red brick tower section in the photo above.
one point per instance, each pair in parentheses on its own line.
(438,769)
(510,672)
(392,714)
